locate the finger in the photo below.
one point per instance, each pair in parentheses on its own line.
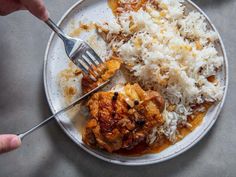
(9,6)
(37,8)
(9,142)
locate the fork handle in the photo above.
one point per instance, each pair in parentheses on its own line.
(22,135)
(56,29)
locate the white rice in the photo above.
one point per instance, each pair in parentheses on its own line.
(170,52)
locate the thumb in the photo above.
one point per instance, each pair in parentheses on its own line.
(9,142)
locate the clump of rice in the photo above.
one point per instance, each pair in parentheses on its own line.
(171,52)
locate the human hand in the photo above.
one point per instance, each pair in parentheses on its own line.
(36,7)
(9,143)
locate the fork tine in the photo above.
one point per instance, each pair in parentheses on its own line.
(96,65)
(92,53)
(86,62)
(90,59)
(87,59)
(90,73)
(92,69)
(93,78)
(82,67)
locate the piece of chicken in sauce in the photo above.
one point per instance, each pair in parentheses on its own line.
(109,68)
(122,119)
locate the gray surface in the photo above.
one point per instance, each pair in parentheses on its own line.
(49,152)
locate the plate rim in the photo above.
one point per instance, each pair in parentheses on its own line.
(154,161)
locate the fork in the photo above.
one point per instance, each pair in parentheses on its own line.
(79,52)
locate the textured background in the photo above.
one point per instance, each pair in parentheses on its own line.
(49,152)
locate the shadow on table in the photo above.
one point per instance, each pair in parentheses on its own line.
(205,3)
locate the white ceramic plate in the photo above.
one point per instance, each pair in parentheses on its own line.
(56,61)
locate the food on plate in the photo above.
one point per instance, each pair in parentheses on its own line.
(122,120)
(108,70)
(168,50)
(171,56)
(70,78)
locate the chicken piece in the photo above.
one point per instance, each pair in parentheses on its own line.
(111,66)
(115,124)
(156,98)
(106,110)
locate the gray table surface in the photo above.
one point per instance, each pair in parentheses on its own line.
(49,152)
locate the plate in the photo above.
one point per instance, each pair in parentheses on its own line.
(56,61)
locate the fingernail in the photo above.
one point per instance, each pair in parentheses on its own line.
(15,142)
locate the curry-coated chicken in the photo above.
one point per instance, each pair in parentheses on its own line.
(110,67)
(122,120)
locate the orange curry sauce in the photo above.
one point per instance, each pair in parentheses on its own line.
(82,28)
(164,143)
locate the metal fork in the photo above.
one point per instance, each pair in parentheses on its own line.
(80,53)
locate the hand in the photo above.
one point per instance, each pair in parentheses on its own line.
(36,7)
(9,143)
